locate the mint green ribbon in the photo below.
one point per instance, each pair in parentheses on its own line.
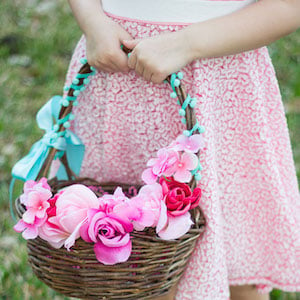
(67,142)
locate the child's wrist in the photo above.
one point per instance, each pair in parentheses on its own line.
(191,40)
(94,24)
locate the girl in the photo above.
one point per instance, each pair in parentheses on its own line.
(250,193)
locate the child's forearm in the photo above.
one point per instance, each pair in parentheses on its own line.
(88,14)
(255,26)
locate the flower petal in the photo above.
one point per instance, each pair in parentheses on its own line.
(196,142)
(30,232)
(20,226)
(190,160)
(70,241)
(118,193)
(177,227)
(70,221)
(183,176)
(112,255)
(151,162)
(53,235)
(163,218)
(148,177)
(76,196)
(29,216)
(84,232)
(116,241)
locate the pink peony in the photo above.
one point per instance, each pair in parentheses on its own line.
(51,231)
(148,203)
(110,233)
(186,163)
(71,212)
(164,164)
(191,144)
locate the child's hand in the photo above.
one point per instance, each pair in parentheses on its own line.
(103,45)
(157,57)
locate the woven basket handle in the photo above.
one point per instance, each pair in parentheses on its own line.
(86,68)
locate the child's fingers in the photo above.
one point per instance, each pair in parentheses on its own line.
(158,78)
(121,61)
(132,60)
(147,74)
(130,44)
(139,68)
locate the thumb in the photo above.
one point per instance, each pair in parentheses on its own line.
(130,44)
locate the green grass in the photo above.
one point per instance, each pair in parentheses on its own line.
(36,41)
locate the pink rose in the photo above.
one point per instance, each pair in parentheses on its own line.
(175,219)
(178,196)
(110,233)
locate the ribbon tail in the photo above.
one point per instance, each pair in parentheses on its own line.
(29,166)
(11,190)
(75,153)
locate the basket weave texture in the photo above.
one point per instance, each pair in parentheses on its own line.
(154,266)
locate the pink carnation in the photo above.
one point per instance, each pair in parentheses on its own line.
(148,203)
(108,202)
(51,231)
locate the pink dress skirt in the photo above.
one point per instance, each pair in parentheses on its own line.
(250,193)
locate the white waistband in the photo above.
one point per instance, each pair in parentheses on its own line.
(172,11)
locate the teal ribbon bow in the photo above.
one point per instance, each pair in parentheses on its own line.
(29,166)
(67,142)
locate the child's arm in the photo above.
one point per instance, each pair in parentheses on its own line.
(103,36)
(255,26)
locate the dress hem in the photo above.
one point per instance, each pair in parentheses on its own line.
(264,284)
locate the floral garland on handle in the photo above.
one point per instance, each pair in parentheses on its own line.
(162,203)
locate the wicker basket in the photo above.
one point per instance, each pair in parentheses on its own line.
(154,266)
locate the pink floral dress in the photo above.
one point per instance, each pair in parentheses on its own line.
(250,192)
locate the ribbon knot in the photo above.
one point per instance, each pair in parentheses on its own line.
(54,140)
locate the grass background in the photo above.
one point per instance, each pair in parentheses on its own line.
(36,41)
